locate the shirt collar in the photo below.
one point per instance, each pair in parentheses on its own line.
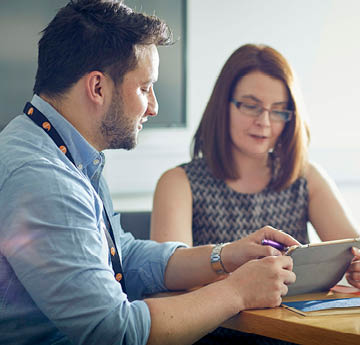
(87,159)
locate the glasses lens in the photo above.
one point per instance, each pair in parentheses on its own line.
(250,109)
(281,115)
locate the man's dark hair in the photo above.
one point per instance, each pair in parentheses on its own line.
(93,35)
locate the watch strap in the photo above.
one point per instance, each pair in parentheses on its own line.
(215,259)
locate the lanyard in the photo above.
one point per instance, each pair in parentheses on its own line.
(41,120)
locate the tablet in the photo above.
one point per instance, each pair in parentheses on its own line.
(319,266)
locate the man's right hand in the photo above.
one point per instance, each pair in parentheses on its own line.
(184,318)
(261,282)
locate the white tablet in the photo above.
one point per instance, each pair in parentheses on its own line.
(319,266)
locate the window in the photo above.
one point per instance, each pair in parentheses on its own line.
(18,61)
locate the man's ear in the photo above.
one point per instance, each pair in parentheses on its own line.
(97,87)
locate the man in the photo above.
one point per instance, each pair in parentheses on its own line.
(68,272)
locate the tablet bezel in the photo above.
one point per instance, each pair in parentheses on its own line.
(320,266)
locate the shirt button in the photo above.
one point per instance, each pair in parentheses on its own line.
(96,161)
(80,166)
(118,277)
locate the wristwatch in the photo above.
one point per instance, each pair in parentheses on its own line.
(215,259)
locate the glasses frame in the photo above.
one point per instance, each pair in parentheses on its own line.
(273,117)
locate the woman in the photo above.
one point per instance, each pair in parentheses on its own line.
(249,164)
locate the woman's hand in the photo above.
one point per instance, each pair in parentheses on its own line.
(353,272)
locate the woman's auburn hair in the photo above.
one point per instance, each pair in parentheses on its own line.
(212,139)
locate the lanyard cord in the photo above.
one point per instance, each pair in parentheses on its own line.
(41,120)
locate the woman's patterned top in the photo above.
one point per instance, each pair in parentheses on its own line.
(220,214)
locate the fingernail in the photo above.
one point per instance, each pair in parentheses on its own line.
(356,249)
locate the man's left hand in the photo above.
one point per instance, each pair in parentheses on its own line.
(239,252)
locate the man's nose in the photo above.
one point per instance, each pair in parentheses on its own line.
(153,105)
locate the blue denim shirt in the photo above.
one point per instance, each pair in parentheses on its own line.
(56,280)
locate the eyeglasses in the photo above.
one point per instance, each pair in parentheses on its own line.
(255,110)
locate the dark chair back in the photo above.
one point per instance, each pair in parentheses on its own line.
(138,223)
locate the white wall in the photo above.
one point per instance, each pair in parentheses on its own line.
(319,38)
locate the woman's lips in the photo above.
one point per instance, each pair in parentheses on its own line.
(257,136)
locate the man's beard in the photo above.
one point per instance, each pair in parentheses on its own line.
(118,131)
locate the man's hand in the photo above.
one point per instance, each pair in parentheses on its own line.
(353,272)
(261,282)
(239,252)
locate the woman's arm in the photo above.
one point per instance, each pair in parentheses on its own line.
(171,218)
(327,211)
(330,217)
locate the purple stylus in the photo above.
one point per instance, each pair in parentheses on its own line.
(274,244)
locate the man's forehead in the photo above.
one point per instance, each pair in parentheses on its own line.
(147,62)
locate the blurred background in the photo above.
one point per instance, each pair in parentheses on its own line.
(319,39)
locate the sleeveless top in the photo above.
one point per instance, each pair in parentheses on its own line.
(220,214)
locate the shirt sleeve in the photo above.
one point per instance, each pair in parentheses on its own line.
(145,264)
(52,239)
(144,261)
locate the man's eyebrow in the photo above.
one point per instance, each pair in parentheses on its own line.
(150,81)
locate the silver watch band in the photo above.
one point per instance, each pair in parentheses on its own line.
(215,259)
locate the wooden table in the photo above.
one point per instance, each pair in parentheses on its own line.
(280,323)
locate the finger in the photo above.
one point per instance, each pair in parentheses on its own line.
(354,267)
(266,250)
(284,291)
(356,252)
(290,278)
(286,262)
(280,236)
(354,275)
(353,282)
